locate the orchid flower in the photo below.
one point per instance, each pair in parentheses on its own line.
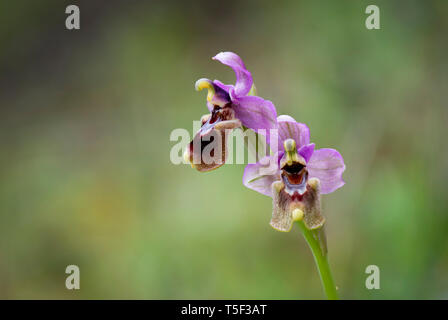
(298,176)
(230,106)
(295,176)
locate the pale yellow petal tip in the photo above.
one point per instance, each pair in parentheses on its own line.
(297,215)
(205,84)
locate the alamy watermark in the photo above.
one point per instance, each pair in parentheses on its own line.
(73,280)
(72,22)
(373,280)
(373,20)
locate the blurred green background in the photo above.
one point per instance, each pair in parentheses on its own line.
(86,177)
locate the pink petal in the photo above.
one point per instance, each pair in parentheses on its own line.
(225,87)
(285,117)
(255,112)
(243,77)
(288,128)
(261,175)
(306,151)
(327,165)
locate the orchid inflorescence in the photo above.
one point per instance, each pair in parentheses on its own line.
(301,173)
(294,174)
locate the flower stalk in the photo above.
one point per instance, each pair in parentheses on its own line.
(317,242)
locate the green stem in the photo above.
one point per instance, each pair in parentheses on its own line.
(317,243)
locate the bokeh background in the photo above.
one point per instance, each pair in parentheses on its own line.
(86,177)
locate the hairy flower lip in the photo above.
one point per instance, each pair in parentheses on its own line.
(203,142)
(213,127)
(194,152)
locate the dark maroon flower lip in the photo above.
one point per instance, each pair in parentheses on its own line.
(203,142)
(212,135)
(217,153)
(295,177)
(294,168)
